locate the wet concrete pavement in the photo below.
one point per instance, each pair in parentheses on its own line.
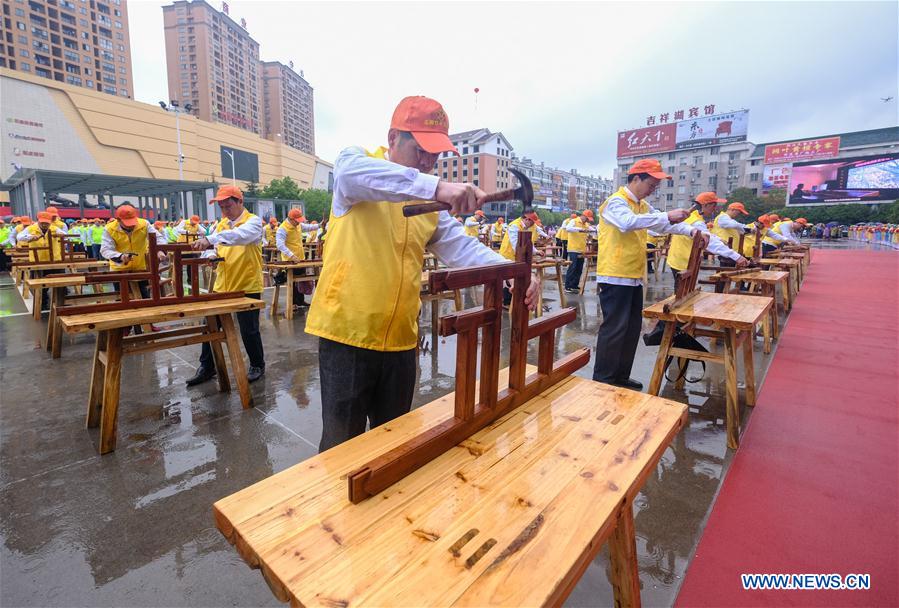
(135,528)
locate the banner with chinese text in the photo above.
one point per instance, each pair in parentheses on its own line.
(825,147)
(646,140)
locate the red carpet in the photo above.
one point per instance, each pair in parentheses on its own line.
(814,486)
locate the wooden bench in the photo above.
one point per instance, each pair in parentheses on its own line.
(297,272)
(512,516)
(112,346)
(763,283)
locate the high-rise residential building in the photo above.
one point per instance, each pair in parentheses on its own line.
(484,161)
(80,42)
(287,114)
(213,65)
(561,190)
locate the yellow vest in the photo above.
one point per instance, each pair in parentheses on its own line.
(726,233)
(19,229)
(59,224)
(679,252)
(269,235)
(771,241)
(506,250)
(294,240)
(577,241)
(44,256)
(135,241)
(241,270)
(562,233)
(620,254)
(472,230)
(748,245)
(190,229)
(497,231)
(370,287)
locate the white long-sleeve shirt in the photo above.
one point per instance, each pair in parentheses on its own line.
(250,232)
(359,178)
(108,249)
(25,236)
(786,231)
(618,213)
(13,235)
(728,223)
(281,237)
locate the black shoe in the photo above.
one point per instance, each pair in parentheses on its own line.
(255,373)
(629,383)
(570,290)
(203,375)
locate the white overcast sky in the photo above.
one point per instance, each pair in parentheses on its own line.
(560,79)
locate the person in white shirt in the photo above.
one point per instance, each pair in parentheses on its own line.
(365,307)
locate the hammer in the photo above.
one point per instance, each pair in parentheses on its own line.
(524,192)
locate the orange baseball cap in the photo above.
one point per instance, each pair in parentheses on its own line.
(272,220)
(531,215)
(773,217)
(295,214)
(158,224)
(26,220)
(648,165)
(226,192)
(479,213)
(44,216)
(801,220)
(588,214)
(2,222)
(195,219)
(127,216)
(426,120)
(53,211)
(706,198)
(737,207)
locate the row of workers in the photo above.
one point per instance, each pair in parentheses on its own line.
(876,234)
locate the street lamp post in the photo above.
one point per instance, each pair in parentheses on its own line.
(233,172)
(177,110)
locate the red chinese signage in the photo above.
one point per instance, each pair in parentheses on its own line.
(647,140)
(826,147)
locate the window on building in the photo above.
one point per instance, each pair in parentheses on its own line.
(754,163)
(713,165)
(682,177)
(753,177)
(733,155)
(681,189)
(669,197)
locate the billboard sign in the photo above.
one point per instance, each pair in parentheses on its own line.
(776,176)
(712,130)
(646,140)
(244,164)
(825,147)
(867,179)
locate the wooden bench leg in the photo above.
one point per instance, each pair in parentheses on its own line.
(732,412)
(563,302)
(658,372)
(749,368)
(538,312)
(289,286)
(237,365)
(457,299)
(625,577)
(95,395)
(218,356)
(275,298)
(109,416)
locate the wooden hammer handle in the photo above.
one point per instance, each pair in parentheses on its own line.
(502,195)
(413,210)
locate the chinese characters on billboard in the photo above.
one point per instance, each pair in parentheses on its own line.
(825,147)
(868,179)
(776,176)
(696,132)
(712,130)
(646,140)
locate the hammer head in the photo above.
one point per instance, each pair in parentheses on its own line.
(525,191)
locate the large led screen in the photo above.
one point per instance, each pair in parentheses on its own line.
(869,179)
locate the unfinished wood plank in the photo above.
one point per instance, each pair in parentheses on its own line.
(625,578)
(740,312)
(732,401)
(95,393)
(238,367)
(109,415)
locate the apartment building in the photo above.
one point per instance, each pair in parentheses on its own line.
(79,42)
(287,106)
(561,190)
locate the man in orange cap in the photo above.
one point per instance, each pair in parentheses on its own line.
(289,241)
(679,251)
(238,239)
(365,308)
(727,228)
(497,230)
(577,230)
(270,230)
(562,235)
(780,233)
(187,226)
(473,223)
(126,242)
(623,221)
(38,235)
(56,222)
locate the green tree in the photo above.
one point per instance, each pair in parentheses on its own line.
(252,190)
(284,188)
(317,203)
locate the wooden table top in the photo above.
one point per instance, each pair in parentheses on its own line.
(303,264)
(780,261)
(722,309)
(761,276)
(61,265)
(55,281)
(83,323)
(509,517)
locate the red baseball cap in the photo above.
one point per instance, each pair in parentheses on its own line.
(706,198)
(226,192)
(737,207)
(127,216)
(648,165)
(426,120)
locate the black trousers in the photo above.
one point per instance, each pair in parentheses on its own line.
(248,322)
(563,243)
(766,248)
(649,258)
(726,262)
(5,260)
(573,274)
(95,251)
(360,384)
(616,343)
